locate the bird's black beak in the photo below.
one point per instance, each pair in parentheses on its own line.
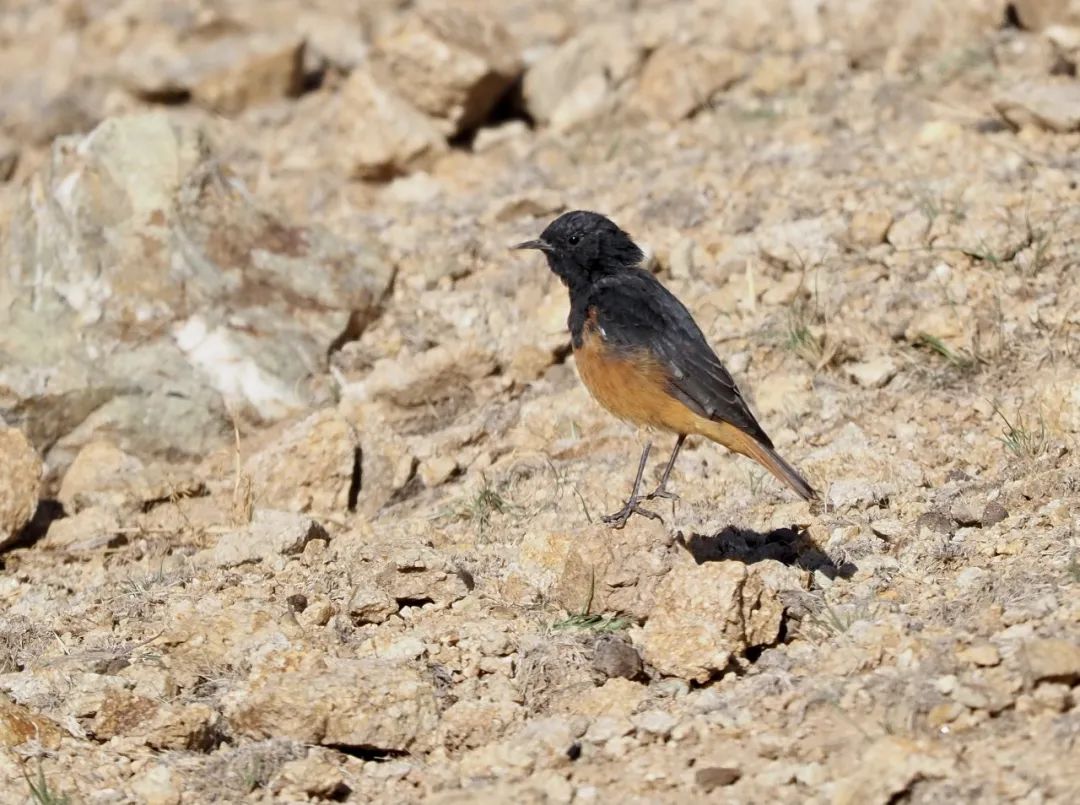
(540,245)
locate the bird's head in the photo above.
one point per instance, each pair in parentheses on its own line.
(583,246)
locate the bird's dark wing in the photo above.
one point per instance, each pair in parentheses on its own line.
(634,312)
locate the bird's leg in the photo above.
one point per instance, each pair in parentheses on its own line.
(661,488)
(619,518)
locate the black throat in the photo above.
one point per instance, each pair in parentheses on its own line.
(579,312)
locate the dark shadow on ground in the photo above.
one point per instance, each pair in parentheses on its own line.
(790,546)
(47,511)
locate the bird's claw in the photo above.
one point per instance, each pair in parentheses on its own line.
(619,518)
(662,493)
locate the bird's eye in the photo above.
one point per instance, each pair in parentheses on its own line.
(574,239)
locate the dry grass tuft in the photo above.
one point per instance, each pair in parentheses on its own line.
(243,498)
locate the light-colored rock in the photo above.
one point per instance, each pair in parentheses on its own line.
(541,744)
(888,766)
(157,786)
(873,372)
(315,776)
(868,228)
(103,475)
(422,575)
(368,704)
(191,727)
(90,530)
(985,654)
(310,468)
(679,79)
(269,534)
(1054,106)
(378,133)
(1052,660)
(654,722)
(9,158)
(437,470)
(51,96)
(846,493)
(146,292)
(877,34)
(616,697)
(434,376)
(469,724)
(450,62)
(1036,15)
(370,603)
(908,231)
(991,689)
(706,615)
(576,80)
(388,461)
(194,727)
(597,568)
(604,728)
(20,478)
(226,73)
(936,131)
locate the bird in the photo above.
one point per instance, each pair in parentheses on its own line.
(642,356)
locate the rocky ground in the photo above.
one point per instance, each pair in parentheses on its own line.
(301,493)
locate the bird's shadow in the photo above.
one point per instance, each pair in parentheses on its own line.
(790,546)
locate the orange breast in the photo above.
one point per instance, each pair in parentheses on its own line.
(632,386)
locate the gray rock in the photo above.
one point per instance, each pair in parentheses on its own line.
(146,292)
(614,657)
(1054,106)
(992,514)
(936,522)
(965,510)
(654,722)
(712,777)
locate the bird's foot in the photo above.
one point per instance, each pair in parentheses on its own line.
(662,493)
(619,518)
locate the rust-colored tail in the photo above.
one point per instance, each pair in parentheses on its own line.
(734,439)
